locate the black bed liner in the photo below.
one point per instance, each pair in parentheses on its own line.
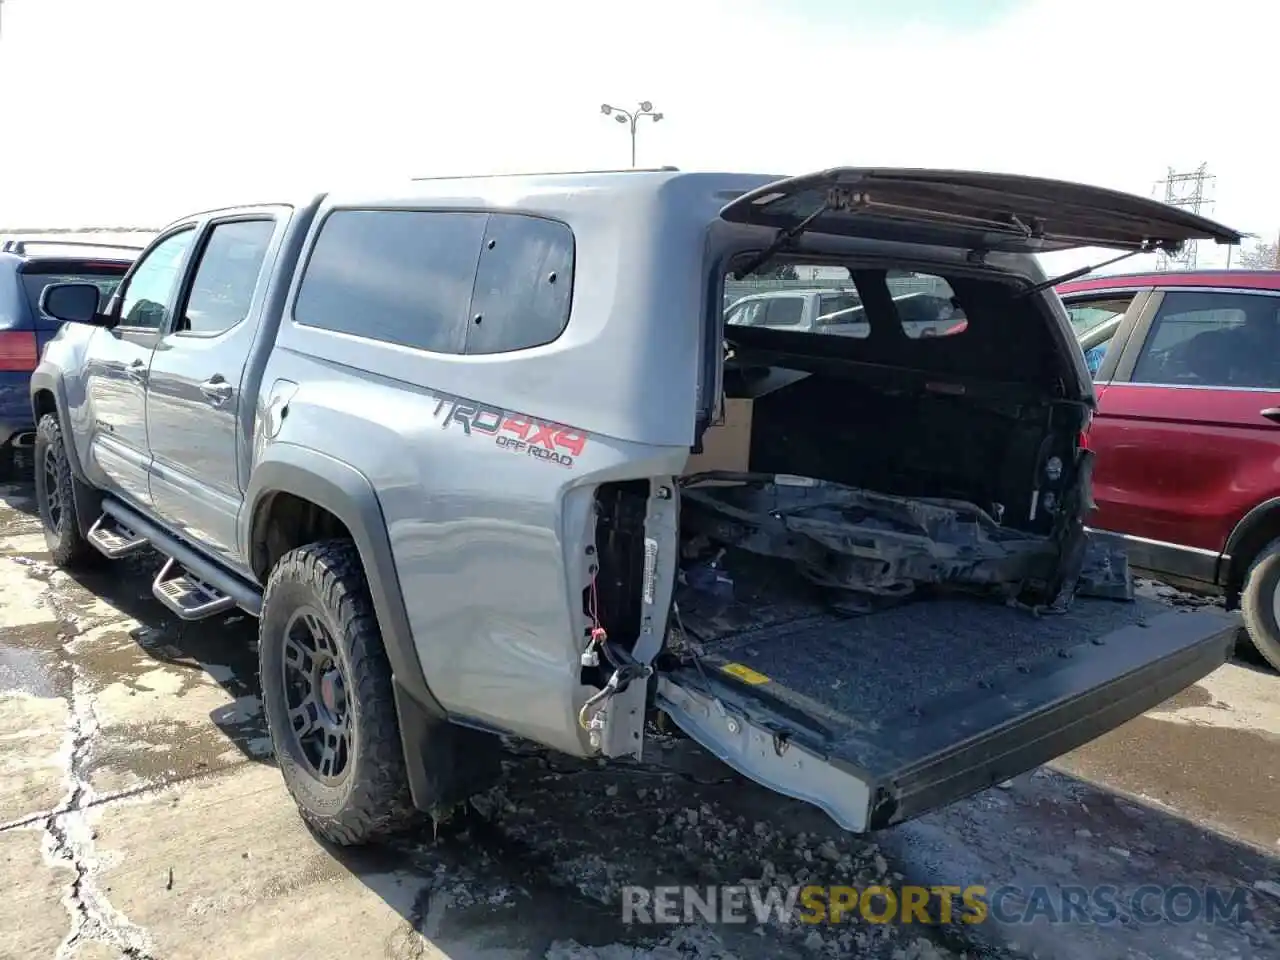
(934,700)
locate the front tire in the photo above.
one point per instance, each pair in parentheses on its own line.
(55,497)
(327,694)
(1260,602)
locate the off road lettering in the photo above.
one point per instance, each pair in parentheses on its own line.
(543,440)
(546,435)
(511,443)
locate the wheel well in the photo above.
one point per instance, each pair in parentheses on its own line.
(284,521)
(1256,536)
(43,402)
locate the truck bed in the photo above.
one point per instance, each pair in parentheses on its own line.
(937,698)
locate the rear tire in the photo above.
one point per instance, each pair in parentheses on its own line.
(1259,600)
(327,694)
(55,498)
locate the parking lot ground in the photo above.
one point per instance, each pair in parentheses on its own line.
(141,816)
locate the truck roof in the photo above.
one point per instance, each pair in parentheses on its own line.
(562,191)
(697,195)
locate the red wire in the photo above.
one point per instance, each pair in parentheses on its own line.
(598,634)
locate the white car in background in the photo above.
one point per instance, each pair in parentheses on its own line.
(837,312)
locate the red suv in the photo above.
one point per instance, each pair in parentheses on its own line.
(1187,433)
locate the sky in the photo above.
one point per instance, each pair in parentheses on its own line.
(170,106)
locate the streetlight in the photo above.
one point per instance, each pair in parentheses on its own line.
(631,118)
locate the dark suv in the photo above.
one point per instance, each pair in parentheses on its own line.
(24,329)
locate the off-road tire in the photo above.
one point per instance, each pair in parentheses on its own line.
(67,547)
(1257,602)
(373,798)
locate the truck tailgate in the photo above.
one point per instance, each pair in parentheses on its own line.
(880,718)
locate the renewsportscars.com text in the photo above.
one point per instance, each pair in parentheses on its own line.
(942,904)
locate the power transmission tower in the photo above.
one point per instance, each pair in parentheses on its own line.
(1186,191)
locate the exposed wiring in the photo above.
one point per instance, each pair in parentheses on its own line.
(621,678)
(598,634)
(625,667)
(598,697)
(695,652)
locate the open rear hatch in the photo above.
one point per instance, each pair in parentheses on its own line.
(877,719)
(975,211)
(869,652)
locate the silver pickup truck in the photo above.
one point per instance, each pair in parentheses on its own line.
(484,458)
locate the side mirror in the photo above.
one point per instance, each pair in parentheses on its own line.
(74,303)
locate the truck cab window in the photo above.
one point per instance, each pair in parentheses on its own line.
(226,276)
(149,292)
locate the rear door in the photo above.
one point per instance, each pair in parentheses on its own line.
(193,402)
(1187,433)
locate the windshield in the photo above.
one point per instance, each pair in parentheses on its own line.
(106,279)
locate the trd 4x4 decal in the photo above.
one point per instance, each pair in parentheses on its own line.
(515,432)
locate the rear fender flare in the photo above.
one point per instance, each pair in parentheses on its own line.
(428,740)
(347,493)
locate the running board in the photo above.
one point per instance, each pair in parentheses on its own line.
(186,595)
(191,585)
(113,539)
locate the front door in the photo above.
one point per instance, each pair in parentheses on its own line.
(120,359)
(193,396)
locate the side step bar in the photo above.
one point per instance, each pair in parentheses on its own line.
(191,585)
(187,596)
(113,539)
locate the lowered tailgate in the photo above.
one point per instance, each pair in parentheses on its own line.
(881,718)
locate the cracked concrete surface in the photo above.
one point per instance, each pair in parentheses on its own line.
(141,816)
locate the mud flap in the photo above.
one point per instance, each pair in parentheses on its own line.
(875,760)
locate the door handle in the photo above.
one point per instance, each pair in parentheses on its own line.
(137,370)
(216,390)
(1271,413)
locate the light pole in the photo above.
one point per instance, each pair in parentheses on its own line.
(631,118)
